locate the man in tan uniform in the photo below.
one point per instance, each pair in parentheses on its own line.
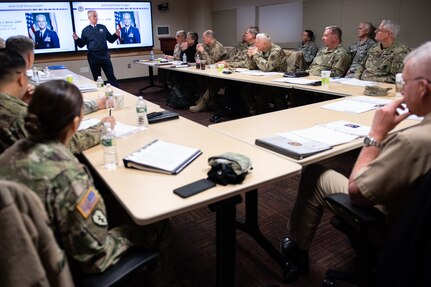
(405,154)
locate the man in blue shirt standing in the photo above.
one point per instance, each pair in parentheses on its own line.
(129,34)
(95,37)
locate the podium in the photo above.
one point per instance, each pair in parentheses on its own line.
(167,45)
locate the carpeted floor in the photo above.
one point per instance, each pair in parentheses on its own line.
(195,231)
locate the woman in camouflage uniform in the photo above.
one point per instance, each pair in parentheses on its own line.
(76,210)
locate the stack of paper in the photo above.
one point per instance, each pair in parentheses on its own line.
(356,105)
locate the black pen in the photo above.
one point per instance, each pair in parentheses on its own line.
(110,111)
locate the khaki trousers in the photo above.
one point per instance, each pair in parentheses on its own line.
(316,182)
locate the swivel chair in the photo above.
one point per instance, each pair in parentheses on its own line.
(129,265)
(395,255)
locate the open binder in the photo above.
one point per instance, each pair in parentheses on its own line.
(163,157)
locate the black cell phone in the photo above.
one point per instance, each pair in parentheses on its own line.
(194,188)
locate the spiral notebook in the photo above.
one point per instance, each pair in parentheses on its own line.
(161,156)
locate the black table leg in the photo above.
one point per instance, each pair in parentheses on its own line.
(225,240)
(151,85)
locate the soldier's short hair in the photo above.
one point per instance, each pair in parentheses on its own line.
(193,35)
(2,43)
(391,26)
(254,30)
(209,33)
(21,44)
(181,33)
(336,31)
(263,36)
(53,107)
(422,56)
(310,34)
(11,63)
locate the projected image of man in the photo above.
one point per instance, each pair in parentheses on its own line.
(44,37)
(129,33)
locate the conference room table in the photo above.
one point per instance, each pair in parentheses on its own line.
(266,125)
(258,78)
(148,196)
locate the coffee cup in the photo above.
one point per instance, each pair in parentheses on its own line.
(325,77)
(398,84)
(69,78)
(119,100)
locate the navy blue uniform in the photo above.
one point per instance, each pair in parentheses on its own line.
(49,39)
(132,35)
(98,57)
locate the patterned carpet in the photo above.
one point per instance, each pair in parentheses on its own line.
(195,231)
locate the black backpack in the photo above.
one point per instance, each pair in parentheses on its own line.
(179,98)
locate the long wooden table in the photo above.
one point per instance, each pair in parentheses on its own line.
(266,125)
(148,196)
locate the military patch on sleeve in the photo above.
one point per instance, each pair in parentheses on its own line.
(88,202)
(99,218)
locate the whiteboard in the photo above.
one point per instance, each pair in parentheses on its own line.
(282,22)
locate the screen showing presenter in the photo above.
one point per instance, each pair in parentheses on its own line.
(45,38)
(129,33)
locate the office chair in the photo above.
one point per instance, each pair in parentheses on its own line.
(129,265)
(30,254)
(395,255)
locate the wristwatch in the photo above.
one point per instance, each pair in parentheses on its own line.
(369,141)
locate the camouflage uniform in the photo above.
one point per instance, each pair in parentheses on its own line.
(90,106)
(75,208)
(273,60)
(12,114)
(237,57)
(257,98)
(213,53)
(309,51)
(361,50)
(382,64)
(335,60)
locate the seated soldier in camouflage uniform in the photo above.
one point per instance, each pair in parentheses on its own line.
(385,59)
(211,51)
(237,58)
(359,50)
(333,57)
(307,47)
(75,208)
(267,57)
(13,88)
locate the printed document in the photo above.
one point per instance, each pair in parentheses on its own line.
(356,105)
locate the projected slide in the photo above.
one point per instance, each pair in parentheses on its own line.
(48,24)
(133,19)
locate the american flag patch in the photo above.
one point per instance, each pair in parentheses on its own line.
(88,202)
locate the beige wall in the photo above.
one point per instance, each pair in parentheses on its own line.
(197,15)
(412,15)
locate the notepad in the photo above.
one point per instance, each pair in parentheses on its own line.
(356,105)
(302,143)
(161,156)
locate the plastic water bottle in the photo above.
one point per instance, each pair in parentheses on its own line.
(141,111)
(109,94)
(184,58)
(152,55)
(100,84)
(110,159)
